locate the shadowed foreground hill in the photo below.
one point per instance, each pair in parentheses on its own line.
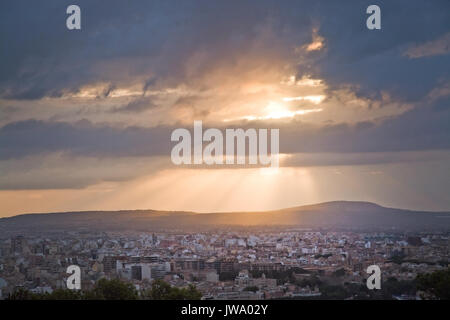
(337,214)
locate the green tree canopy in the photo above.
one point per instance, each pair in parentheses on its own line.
(161,290)
(436,284)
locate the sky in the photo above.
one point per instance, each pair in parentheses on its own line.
(86,115)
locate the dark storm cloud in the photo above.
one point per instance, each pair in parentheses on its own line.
(375,61)
(122,41)
(425,128)
(83,138)
(43,58)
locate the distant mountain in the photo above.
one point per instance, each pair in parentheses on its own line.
(336,214)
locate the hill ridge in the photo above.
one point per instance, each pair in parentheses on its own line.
(332,214)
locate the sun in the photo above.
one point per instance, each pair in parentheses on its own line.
(276,110)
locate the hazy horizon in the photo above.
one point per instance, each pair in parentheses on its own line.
(234,211)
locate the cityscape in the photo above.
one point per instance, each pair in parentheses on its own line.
(207,151)
(229,264)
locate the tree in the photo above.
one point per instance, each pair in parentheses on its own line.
(161,290)
(392,286)
(312,281)
(61,294)
(114,290)
(334,292)
(20,294)
(436,284)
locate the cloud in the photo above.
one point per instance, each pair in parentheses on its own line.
(136,106)
(146,41)
(366,158)
(422,128)
(59,170)
(154,42)
(194,45)
(374,61)
(81,138)
(431,48)
(139,69)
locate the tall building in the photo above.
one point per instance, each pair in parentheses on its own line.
(109,264)
(136,272)
(18,244)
